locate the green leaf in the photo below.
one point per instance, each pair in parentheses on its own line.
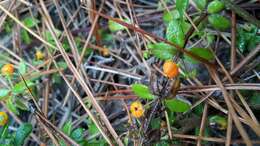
(255,99)
(142,91)
(201,4)
(175,33)
(26,37)
(215,6)
(11,106)
(210,38)
(77,134)
(181,6)
(201,52)
(22,67)
(177,105)
(21,104)
(21,87)
(114,26)
(218,122)
(219,22)
(62,64)
(4,93)
(92,128)
(162,50)
(67,128)
(4,132)
(156,123)
(47,36)
(22,133)
(169,16)
(198,110)
(30,22)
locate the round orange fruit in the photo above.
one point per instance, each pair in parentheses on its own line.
(170,69)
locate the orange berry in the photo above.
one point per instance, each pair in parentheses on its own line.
(136,109)
(170,69)
(39,55)
(8,69)
(3,118)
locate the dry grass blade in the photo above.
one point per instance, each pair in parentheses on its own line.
(78,76)
(230,107)
(147,34)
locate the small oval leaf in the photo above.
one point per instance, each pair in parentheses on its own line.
(4,93)
(215,6)
(162,51)
(22,67)
(201,52)
(201,4)
(114,26)
(11,106)
(22,133)
(77,134)
(218,122)
(177,105)
(21,87)
(181,6)
(175,33)
(142,91)
(67,128)
(219,22)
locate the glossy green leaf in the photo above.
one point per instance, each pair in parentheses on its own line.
(22,67)
(21,87)
(210,38)
(162,50)
(177,105)
(47,36)
(11,106)
(198,110)
(215,6)
(62,64)
(201,52)
(169,16)
(4,93)
(30,22)
(25,37)
(5,132)
(114,26)
(67,128)
(92,128)
(181,6)
(21,104)
(77,134)
(201,4)
(142,91)
(175,33)
(22,133)
(218,122)
(219,22)
(247,39)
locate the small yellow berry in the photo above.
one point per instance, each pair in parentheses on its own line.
(8,69)
(39,55)
(105,52)
(137,109)
(3,118)
(170,69)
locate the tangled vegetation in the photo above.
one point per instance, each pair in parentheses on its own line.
(133,72)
